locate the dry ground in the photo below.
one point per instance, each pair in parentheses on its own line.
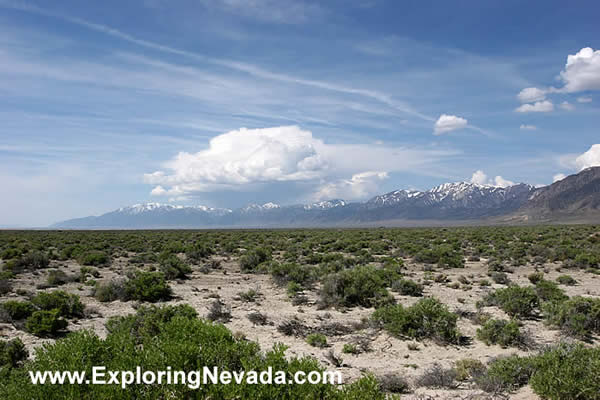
(387,355)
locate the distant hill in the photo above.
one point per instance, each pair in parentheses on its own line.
(576,198)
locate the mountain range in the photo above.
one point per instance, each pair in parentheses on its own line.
(575,198)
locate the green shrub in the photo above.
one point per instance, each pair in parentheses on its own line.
(253,258)
(12,352)
(17,310)
(7,254)
(32,260)
(198,252)
(468,368)
(317,340)
(507,374)
(45,323)
(57,277)
(291,272)
(408,287)
(147,286)
(5,286)
(68,305)
(350,348)
(578,316)
(95,258)
(110,291)
(161,337)
(500,278)
(535,277)
(502,332)
(293,288)
(249,296)
(174,268)
(549,291)
(516,301)
(566,280)
(567,372)
(428,318)
(361,285)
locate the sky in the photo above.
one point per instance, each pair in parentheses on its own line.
(225,103)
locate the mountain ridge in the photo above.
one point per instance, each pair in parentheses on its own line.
(577,194)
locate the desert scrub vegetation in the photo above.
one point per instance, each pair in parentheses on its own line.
(516,301)
(562,372)
(428,318)
(174,268)
(150,286)
(567,280)
(250,260)
(94,258)
(45,323)
(174,337)
(317,340)
(578,316)
(147,286)
(408,287)
(502,332)
(359,286)
(12,354)
(45,314)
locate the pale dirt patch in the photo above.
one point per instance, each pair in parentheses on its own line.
(387,355)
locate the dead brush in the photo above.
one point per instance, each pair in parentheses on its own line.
(219,312)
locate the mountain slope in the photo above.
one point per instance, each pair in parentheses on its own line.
(577,195)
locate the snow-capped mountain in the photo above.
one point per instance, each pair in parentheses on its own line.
(260,208)
(325,205)
(159,207)
(456,201)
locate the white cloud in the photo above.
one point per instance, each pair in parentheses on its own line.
(480,178)
(158,191)
(584,99)
(582,71)
(590,158)
(540,106)
(565,105)
(237,159)
(501,182)
(448,123)
(525,127)
(531,95)
(244,156)
(359,186)
(558,177)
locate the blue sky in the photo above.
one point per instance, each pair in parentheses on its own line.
(230,102)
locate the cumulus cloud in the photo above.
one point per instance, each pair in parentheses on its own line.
(525,127)
(584,99)
(241,159)
(590,158)
(358,186)
(531,95)
(480,178)
(448,123)
(539,106)
(501,182)
(244,156)
(582,71)
(558,177)
(158,191)
(565,105)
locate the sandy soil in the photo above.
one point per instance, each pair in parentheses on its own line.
(387,355)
